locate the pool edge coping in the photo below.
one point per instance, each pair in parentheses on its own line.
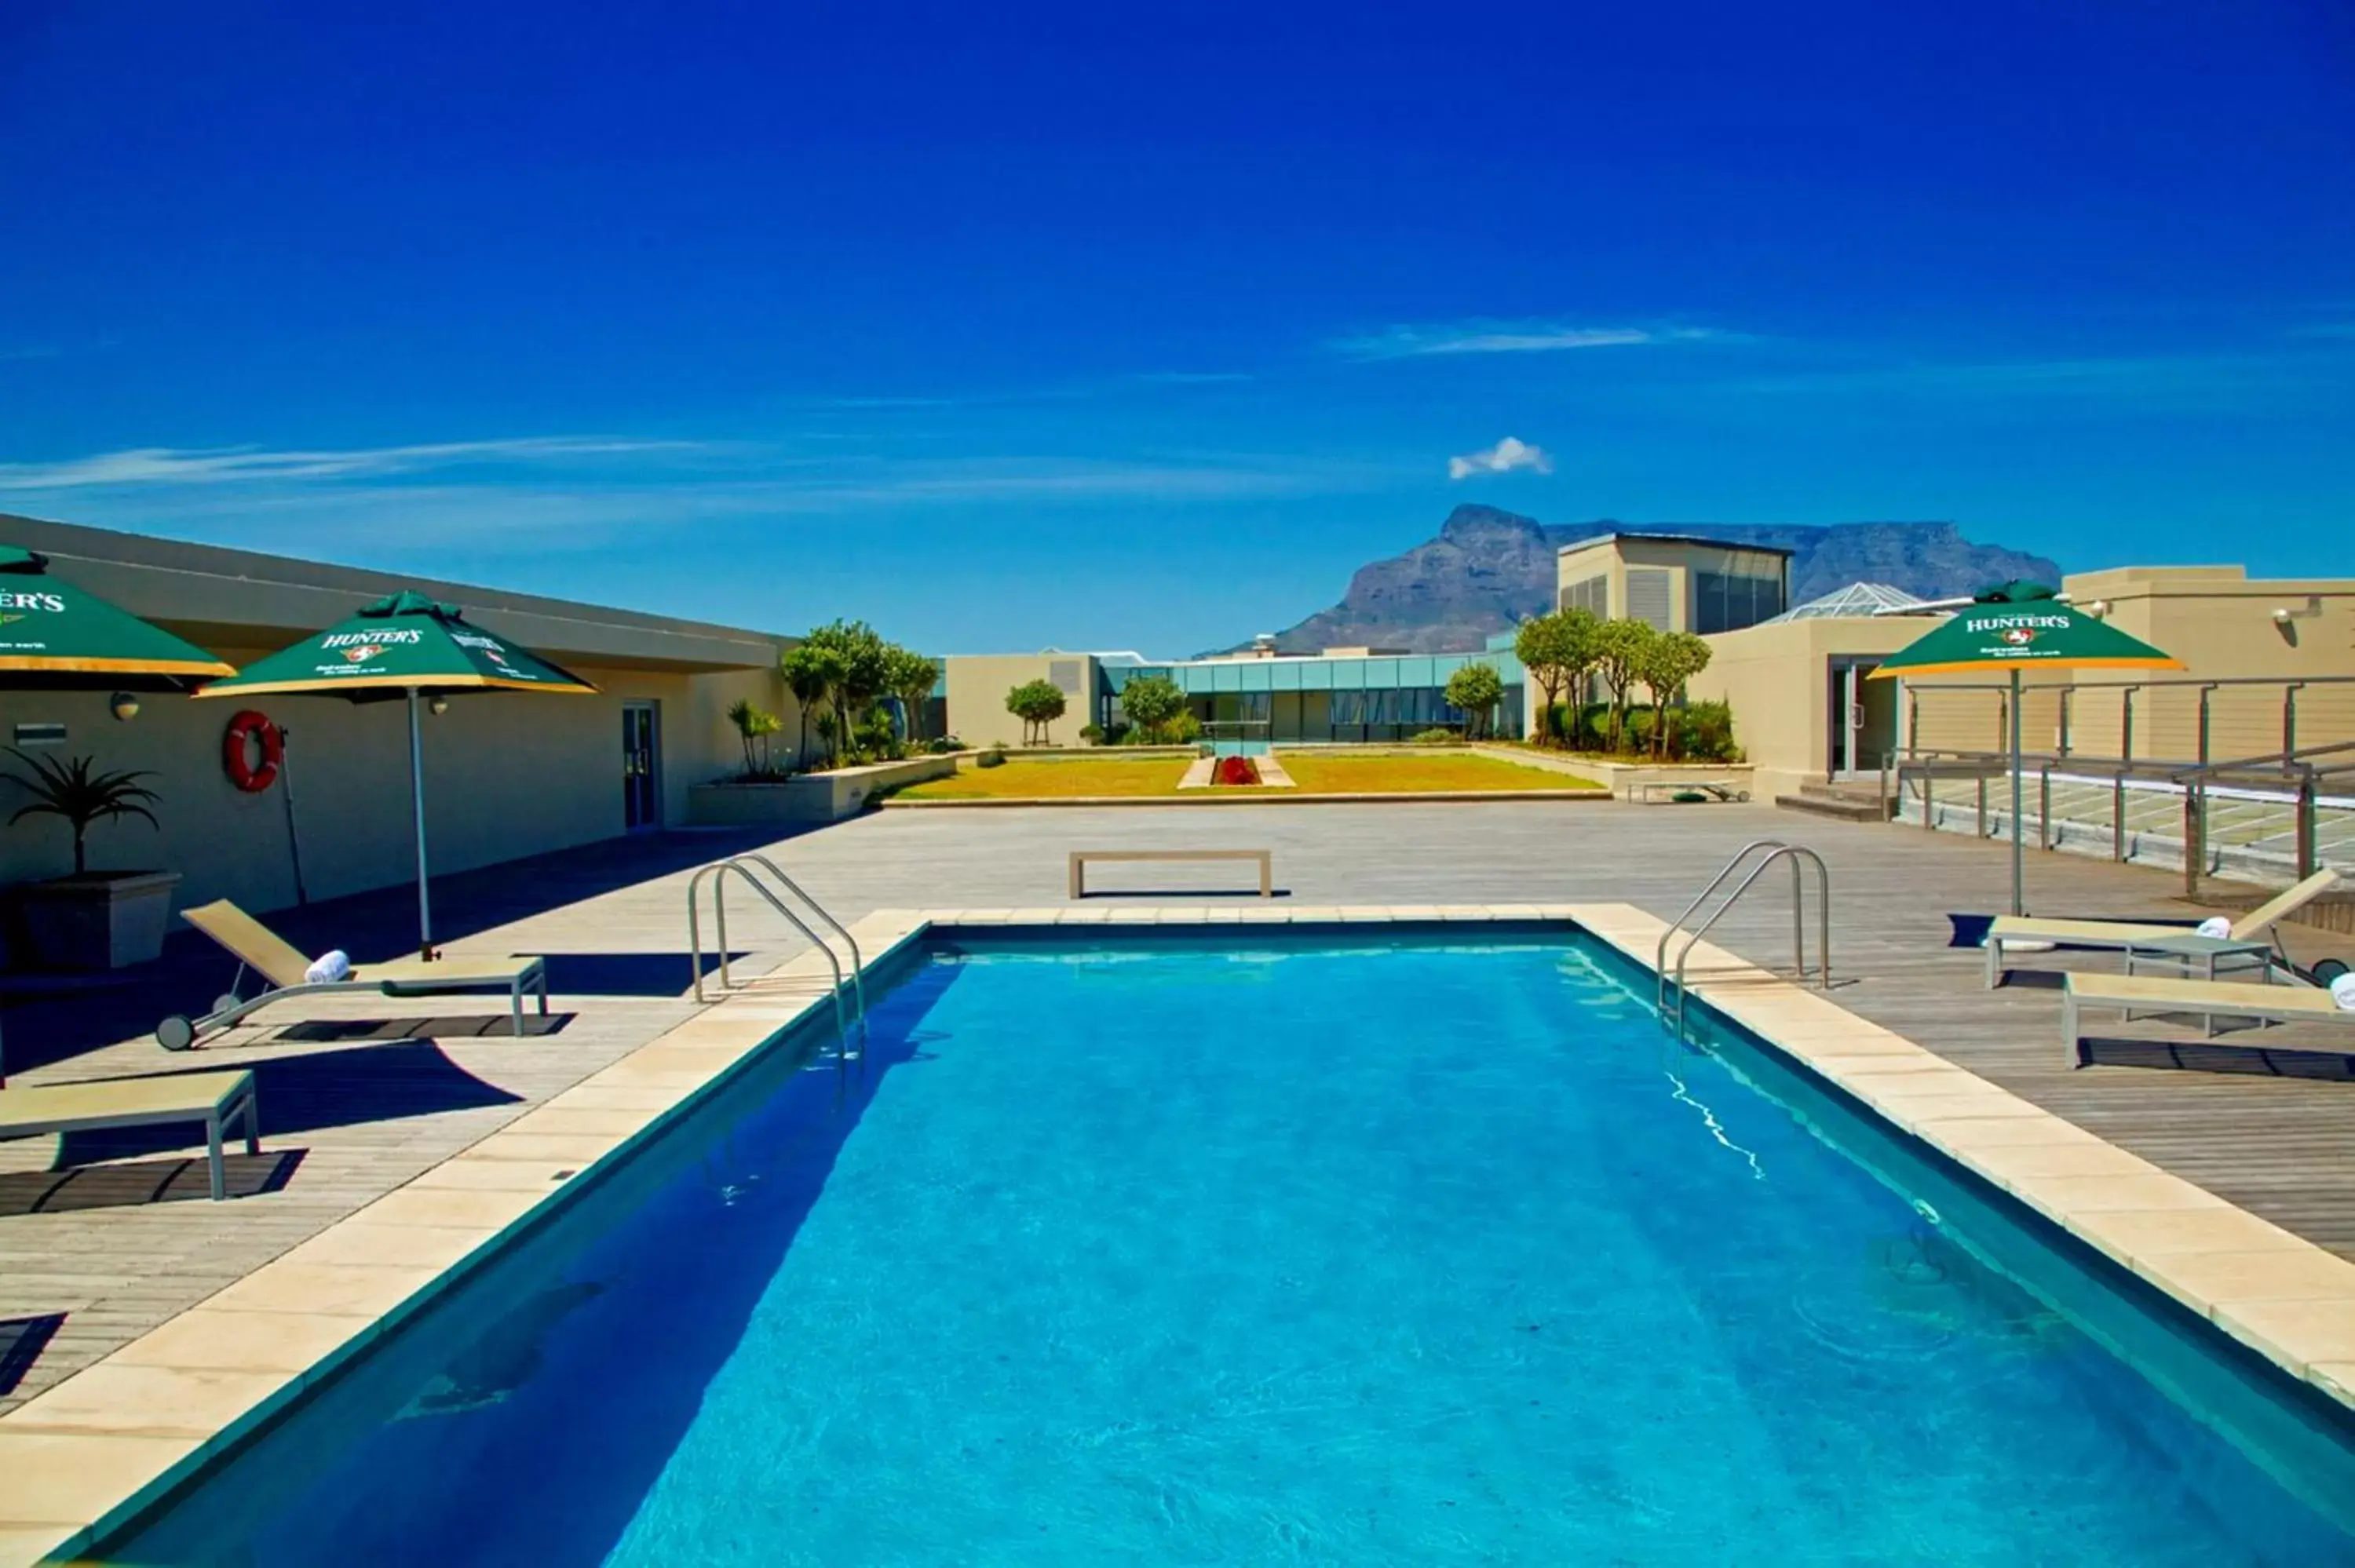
(116,1438)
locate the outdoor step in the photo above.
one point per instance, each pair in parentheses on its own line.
(1845,808)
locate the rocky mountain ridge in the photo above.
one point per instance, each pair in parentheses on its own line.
(1489,568)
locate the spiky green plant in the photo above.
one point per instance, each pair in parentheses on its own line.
(75,790)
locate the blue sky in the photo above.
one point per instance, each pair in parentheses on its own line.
(1103,328)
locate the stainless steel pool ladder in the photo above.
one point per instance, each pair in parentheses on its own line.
(752,869)
(1775,849)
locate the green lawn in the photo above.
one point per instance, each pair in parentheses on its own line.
(1021,780)
(1313,773)
(1340,773)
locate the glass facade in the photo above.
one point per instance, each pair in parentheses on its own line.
(1728,603)
(1301,700)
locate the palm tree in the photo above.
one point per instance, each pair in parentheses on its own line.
(72,790)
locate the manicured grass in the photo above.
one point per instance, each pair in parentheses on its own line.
(1324,773)
(1056,780)
(1312,773)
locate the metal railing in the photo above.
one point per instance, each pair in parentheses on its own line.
(1775,850)
(2294,776)
(2204,687)
(750,868)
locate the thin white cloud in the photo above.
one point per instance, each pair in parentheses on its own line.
(1503,458)
(1509,337)
(233,465)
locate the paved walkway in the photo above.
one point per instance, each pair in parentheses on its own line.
(346,1121)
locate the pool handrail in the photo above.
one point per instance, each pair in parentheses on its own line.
(1776,849)
(858,963)
(718,872)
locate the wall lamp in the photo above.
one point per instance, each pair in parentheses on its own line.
(439,704)
(125,706)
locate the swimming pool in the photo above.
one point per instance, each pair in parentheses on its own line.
(1329,1248)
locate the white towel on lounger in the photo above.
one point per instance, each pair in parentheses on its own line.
(2342,991)
(329,969)
(2216,925)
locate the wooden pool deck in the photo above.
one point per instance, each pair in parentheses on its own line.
(93,1257)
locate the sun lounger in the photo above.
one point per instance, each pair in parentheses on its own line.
(213,1098)
(2206,999)
(257,947)
(2254,931)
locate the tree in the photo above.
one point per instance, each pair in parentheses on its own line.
(1669,661)
(812,672)
(1477,688)
(1037,703)
(1620,649)
(754,724)
(911,677)
(1152,702)
(1556,650)
(851,656)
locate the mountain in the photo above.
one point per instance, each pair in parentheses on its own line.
(1489,568)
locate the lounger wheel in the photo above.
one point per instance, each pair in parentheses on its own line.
(225,1003)
(176,1032)
(2328,970)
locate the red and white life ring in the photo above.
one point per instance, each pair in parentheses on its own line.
(246,728)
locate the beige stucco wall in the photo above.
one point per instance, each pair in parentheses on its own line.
(978,683)
(2219,621)
(1777,680)
(506,776)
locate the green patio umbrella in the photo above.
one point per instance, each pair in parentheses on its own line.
(2019,626)
(56,636)
(405,646)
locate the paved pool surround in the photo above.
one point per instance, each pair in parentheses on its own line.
(83,1459)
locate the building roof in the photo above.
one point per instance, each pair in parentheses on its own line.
(1670,538)
(243,599)
(1859,599)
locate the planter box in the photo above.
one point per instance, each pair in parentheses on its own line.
(809,797)
(100,920)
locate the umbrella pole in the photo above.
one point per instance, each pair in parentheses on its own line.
(2017,855)
(417,798)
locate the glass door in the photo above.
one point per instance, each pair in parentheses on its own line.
(641,766)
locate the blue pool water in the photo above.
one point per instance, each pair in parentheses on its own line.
(1329,1252)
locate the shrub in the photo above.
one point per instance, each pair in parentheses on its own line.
(942,747)
(1704,733)
(1235,770)
(1181,730)
(1093,734)
(994,758)
(1431,737)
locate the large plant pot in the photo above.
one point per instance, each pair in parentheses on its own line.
(98,920)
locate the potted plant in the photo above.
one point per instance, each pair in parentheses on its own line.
(91,920)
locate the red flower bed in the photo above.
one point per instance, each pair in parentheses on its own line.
(1235,770)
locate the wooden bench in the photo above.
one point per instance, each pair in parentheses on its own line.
(1266,859)
(213,1098)
(2206,999)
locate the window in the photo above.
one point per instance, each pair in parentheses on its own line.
(1063,674)
(1723,602)
(1591,595)
(1648,595)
